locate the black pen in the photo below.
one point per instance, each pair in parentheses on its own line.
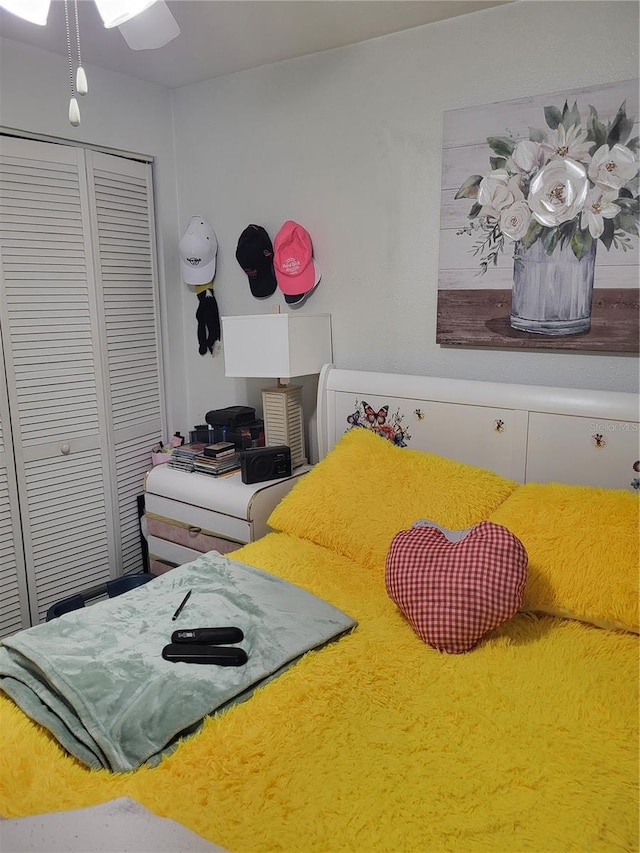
(182,604)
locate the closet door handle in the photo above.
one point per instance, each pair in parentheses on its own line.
(65,449)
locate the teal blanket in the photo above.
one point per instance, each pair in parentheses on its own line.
(97,680)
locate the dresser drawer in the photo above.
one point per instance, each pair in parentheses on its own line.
(187,514)
(208,522)
(169,553)
(159,567)
(188,535)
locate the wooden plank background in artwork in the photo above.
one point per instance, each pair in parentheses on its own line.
(474,309)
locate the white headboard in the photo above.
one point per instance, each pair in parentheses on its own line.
(529,433)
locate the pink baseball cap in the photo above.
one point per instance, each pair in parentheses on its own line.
(296,272)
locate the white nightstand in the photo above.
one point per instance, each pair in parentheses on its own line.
(190,513)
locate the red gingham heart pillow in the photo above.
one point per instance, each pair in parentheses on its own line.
(454,592)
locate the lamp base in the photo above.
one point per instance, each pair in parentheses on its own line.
(284,421)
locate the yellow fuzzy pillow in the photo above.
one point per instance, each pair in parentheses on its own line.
(366,490)
(583,551)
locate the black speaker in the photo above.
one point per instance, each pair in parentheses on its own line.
(265,463)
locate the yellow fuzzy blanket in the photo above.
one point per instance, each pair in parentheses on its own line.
(377,742)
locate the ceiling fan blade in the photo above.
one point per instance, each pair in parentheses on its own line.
(153,28)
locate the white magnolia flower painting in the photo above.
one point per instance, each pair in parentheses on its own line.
(539,222)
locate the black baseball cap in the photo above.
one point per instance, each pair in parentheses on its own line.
(255,255)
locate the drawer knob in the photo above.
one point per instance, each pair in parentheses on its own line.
(194,531)
(65,449)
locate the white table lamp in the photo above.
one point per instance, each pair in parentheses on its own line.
(281,346)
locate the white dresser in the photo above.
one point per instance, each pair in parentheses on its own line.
(190,513)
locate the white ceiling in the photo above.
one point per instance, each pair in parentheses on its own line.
(222,36)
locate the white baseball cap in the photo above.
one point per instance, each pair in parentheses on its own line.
(198,248)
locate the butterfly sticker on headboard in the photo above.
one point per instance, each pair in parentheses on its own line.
(374,417)
(377,420)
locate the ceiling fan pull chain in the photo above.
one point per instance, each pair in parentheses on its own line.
(74,109)
(81,77)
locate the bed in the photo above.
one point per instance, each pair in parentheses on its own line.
(378,740)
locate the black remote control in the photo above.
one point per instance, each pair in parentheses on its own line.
(220,655)
(207,635)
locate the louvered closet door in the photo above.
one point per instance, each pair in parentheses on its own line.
(51,343)
(122,213)
(14,611)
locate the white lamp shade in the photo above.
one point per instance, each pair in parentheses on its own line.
(280,346)
(34,11)
(115,12)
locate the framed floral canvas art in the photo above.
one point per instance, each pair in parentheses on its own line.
(539,222)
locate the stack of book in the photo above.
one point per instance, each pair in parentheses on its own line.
(215,459)
(183,457)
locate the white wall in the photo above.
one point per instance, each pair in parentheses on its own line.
(118,113)
(348,143)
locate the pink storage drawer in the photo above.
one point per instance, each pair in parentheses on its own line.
(189,536)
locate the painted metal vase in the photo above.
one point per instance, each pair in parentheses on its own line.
(552,294)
